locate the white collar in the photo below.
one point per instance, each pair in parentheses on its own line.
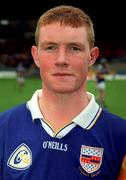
(33,106)
(86,119)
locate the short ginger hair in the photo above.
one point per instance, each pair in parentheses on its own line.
(66,15)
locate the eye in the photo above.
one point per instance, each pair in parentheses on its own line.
(75,48)
(50,48)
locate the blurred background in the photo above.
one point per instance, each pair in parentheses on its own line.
(18,75)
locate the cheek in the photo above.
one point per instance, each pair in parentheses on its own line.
(44,67)
(45,63)
(81,65)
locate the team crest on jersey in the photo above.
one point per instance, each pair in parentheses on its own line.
(21,158)
(91,158)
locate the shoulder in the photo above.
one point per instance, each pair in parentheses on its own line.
(14,113)
(113,121)
(109,115)
(112,130)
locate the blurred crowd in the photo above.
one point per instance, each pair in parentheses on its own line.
(12,60)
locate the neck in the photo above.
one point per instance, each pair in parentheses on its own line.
(59,109)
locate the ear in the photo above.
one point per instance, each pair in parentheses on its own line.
(34,52)
(93,55)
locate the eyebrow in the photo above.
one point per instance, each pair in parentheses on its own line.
(68,43)
(46,43)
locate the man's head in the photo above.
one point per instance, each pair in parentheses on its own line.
(64,49)
(67,16)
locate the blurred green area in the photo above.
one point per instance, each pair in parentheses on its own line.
(11,96)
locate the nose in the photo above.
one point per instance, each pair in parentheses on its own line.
(62,58)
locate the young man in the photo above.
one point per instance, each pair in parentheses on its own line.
(62,133)
(20,77)
(102,70)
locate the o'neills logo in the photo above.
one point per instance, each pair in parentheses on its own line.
(55,145)
(91,158)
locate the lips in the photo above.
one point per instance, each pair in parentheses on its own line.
(62,74)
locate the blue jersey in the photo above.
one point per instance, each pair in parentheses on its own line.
(27,151)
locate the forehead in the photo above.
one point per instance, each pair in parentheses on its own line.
(56,32)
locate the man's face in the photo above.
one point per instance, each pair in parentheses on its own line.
(63,56)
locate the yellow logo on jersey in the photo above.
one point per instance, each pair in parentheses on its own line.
(21,158)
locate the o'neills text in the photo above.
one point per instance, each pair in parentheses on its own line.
(55,145)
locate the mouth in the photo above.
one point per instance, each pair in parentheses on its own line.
(62,74)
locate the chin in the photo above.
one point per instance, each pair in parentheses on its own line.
(64,90)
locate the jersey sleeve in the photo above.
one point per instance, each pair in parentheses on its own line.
(1,149)
(122,174)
